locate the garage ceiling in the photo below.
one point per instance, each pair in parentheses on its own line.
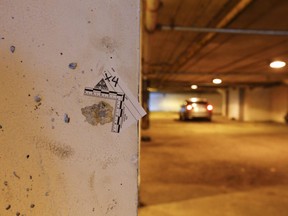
(177,53)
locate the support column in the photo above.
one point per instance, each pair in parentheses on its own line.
(60,150)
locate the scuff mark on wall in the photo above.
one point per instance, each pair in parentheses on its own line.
(98,113)
(111,206)
(109,44)
(110,161)
(60,150)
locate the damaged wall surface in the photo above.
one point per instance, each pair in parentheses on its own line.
(53,160)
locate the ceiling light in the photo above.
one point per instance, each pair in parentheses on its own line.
(217,81)
(194,86)
(152,89)
(277,64)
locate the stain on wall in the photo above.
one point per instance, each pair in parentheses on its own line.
(60,150)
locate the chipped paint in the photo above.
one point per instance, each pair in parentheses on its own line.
(98,113)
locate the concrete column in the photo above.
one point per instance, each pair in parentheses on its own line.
(234,103)
(145,124)
(55,161)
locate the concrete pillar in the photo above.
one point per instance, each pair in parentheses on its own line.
(236,101)
(56,158)
(234,104)
(145,124)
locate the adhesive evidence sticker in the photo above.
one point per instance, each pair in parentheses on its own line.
(127,108)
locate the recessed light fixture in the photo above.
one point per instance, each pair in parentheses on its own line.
(277,64)
(217,81)
(152,89)
(194,87)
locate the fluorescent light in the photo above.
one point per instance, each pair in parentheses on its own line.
(152,89)
(193,99)
(194,86)
(217,81)
(277,64)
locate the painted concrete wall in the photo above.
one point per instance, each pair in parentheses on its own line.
(261,104)
(257,105)
(53,162)
(234,104)
(279,103)
(171,102)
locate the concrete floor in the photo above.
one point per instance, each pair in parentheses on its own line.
(222,168)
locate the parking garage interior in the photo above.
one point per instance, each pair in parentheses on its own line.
(224,51)
(71,72)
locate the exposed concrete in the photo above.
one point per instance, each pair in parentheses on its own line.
(218,168)
(53,163)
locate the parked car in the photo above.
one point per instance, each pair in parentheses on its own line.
(196,108)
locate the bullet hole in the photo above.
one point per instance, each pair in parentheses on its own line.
(1,127)
(17,213)
(110,57)
(61,53)
(66,118)
(83,72)
(3,38)
(12,49)
(8,207)
(89,22)
(73,65)
(15,174)
(21,61)
(37,98)
(30,177)
(93,209)
(6,183)
(32,206)
(12,17)
(27,156)
(121,184)
(29,95)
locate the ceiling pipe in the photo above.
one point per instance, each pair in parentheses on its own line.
(224,74)
(227,31)
(229,17)
(151,13)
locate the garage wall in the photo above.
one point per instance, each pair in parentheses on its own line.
(279,103)
(171,102)
(55,162)
(257,104)
(266,104)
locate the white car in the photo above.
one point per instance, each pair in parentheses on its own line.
(196,108)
